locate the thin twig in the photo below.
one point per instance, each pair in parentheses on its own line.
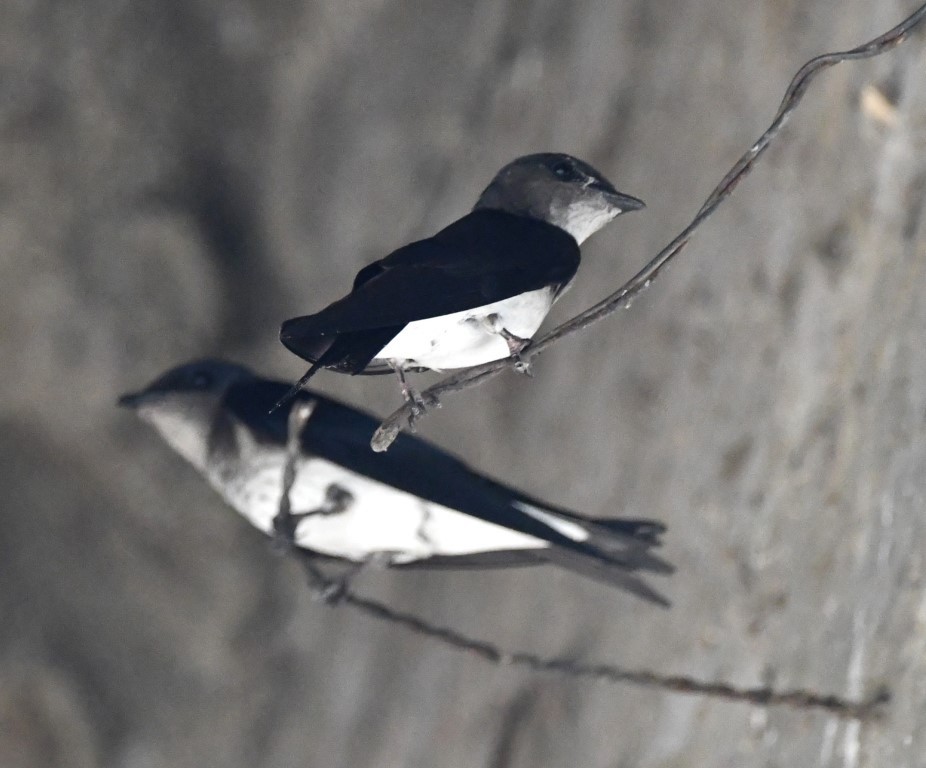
(470,377)
(284,524)
(338,592)
(764,696)
(760,696)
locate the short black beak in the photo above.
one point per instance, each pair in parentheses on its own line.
(617,199)
(130,400)
(625,202)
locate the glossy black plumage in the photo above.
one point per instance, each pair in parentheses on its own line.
(416,506)
(486,256)
(340,434)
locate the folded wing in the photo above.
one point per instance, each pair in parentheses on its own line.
(605,550)
(485,257)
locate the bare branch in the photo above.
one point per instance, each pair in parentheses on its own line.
(338,592)
(284,523)
(470,377)
(763,696)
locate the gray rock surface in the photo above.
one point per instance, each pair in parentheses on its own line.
(177,178)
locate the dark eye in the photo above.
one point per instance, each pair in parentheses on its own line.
(564,171)
(201,380)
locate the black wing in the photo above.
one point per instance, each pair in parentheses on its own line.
(484,257)
(341,434)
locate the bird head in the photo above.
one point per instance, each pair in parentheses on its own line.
(559,189)
(183,403)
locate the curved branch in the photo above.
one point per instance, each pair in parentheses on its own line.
(470,377)
(338,592)
(761,696)
(863,709)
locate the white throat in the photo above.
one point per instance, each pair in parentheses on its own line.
(185,434)
(583,219)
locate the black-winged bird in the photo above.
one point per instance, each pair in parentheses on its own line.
(415,506)
(476,291)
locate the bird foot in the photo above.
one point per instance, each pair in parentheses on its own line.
(283,533)
(516,344)
(335,590)
(337,500)
(418,404)
(523,366)
(419,408)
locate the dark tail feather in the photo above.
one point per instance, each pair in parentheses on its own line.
(603,571)
(300,340)
(297,387)
(346,353)
(617,551)
(334,353)
(641,529)
(349,352)
(622,541)
(611,552)
(647,531)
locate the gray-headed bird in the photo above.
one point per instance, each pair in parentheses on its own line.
(475,292)
(415,506)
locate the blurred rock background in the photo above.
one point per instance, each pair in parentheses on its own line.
(177,178)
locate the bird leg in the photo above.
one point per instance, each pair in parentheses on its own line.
(283,532)
(516,344)
(417,403)
(336,501)
(335,590)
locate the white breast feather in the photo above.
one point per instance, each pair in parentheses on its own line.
(379,519)
(461,339)
(584,218)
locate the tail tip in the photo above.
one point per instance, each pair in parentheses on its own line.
(295,389)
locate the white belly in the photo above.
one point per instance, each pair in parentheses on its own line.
(462,339)
(380,519)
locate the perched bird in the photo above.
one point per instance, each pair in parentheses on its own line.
(415,506)
(474,292)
